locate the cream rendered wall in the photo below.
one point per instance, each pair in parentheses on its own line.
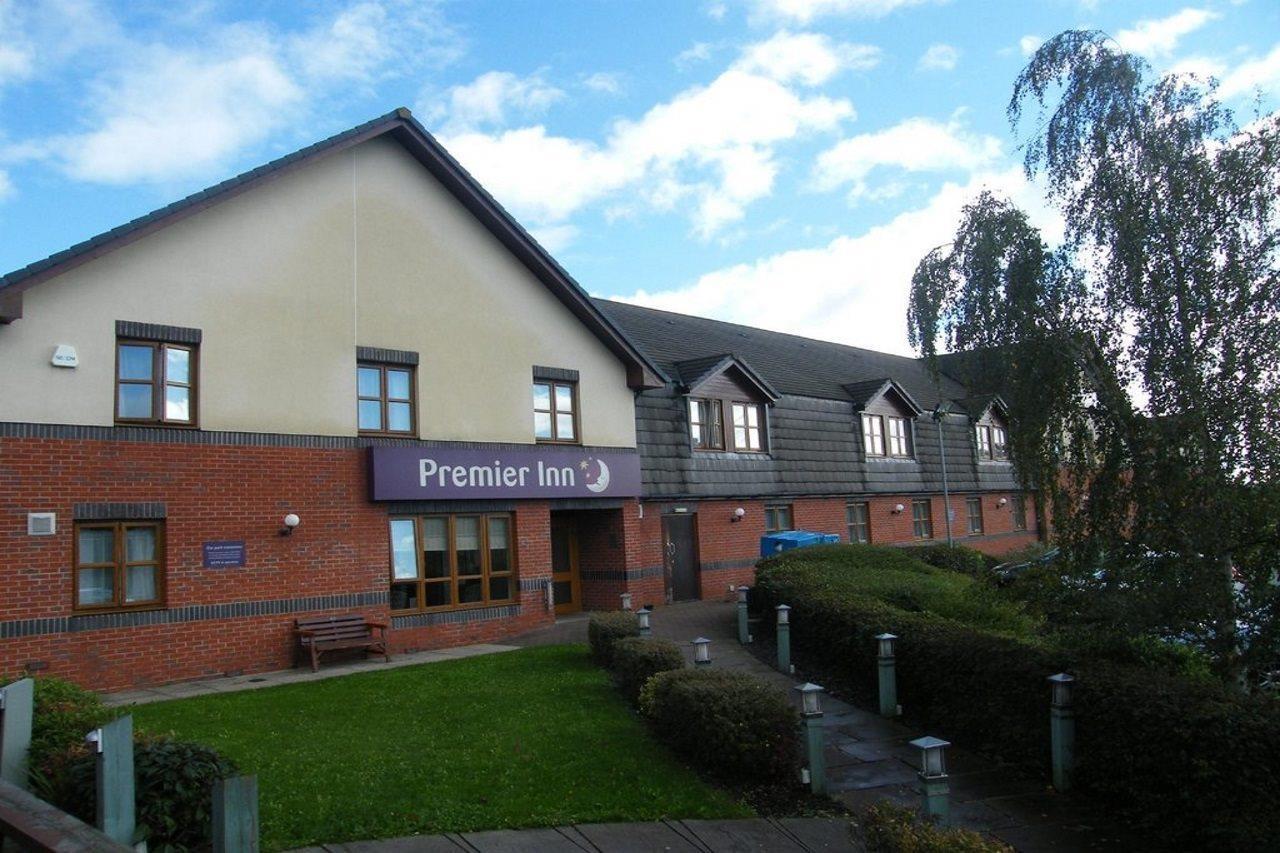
(284,280)
(434,280)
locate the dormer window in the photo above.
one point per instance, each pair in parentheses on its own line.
(887,415)
(886,435)
(706,424)
(748,434)
(992,440)
(726,404)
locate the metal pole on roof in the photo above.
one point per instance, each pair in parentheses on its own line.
(939,414)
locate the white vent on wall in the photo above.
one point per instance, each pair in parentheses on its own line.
(42,523)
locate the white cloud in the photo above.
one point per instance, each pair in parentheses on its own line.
(607,82)
(939,57)
(487,100)
(6,185)
(853,289)
(914,145)
(1252,75)
(699,51)
(805,11)
(1028,44)
(1159,36)
(808,58)
(710,150)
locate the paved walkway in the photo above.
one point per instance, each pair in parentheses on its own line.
(234,683)
(868,757)
(792,835)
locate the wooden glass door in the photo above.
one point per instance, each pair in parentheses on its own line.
(565,581)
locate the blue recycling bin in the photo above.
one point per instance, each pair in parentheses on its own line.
(776,543)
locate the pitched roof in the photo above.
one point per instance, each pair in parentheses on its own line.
(405,129)
(695,371)
(792,364)
(978,406)
(864,392)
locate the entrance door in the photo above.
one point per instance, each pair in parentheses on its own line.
(681,556)
(565,580)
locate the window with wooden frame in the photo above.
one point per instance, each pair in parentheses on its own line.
(777,518)
(873,435)
(899,436)
(748,432)
(119,565)
(993,442)
(555,412)
(999,443)
(156,383)
(706,424)
(1019,512)
(857,516)
(983,433)
(973,506)
(385,399)
(445,561)
(922,519)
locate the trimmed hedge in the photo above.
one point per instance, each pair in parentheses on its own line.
(1184,759)
(731,724)
(954,558)
(605,629)
(637,659)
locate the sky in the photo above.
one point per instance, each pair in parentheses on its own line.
(780,163)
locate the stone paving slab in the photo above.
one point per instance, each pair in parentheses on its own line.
(636,838)
(741,836)
(414,844)
(522,841)
(299,675)
(816,833)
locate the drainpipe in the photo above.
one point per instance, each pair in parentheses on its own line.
(939,414)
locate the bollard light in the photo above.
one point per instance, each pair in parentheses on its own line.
(933,756)
(784,614)
(642,616)
(702,652)
(1061,689)
(742,594)
(885,644)
(811,699)
(626,600)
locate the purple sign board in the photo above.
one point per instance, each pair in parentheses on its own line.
(442,473)
(227,554)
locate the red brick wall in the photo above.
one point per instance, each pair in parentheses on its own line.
(210,493)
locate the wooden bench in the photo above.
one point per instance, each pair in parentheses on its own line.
(326,633)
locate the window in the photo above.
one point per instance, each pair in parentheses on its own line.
(706,424)
(155,383)
(555,412)
(992,442)
(440,561)
(119,565)
(746,427)
(899,443)
(873,435)
(856,515)
(1019,512)
(974,509)
(922,519)
(777,518)
(385,398)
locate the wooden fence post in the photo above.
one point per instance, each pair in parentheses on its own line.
(17,702)
(114,780)
(235,815)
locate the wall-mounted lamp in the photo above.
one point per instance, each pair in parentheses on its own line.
(1002,502)
(290,521)
(738,514)
(898,509)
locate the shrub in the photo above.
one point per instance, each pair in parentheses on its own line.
(637,659)
(732,724)
(174,789)
(954,558)
(63,715)
(1191,761)
(887,828)
(605,629)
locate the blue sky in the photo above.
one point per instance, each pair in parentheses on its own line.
(782,163)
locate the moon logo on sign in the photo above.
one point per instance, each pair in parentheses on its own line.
(597,478)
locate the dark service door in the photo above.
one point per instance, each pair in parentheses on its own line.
(681,556)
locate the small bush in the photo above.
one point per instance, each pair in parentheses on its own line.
(887,828)
(954,558)
(731,724)
(605,629)
(174,789)
(64,714)
(637,659)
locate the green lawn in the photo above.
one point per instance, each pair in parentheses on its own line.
(536,737)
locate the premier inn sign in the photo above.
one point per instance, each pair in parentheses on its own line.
(436,473)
